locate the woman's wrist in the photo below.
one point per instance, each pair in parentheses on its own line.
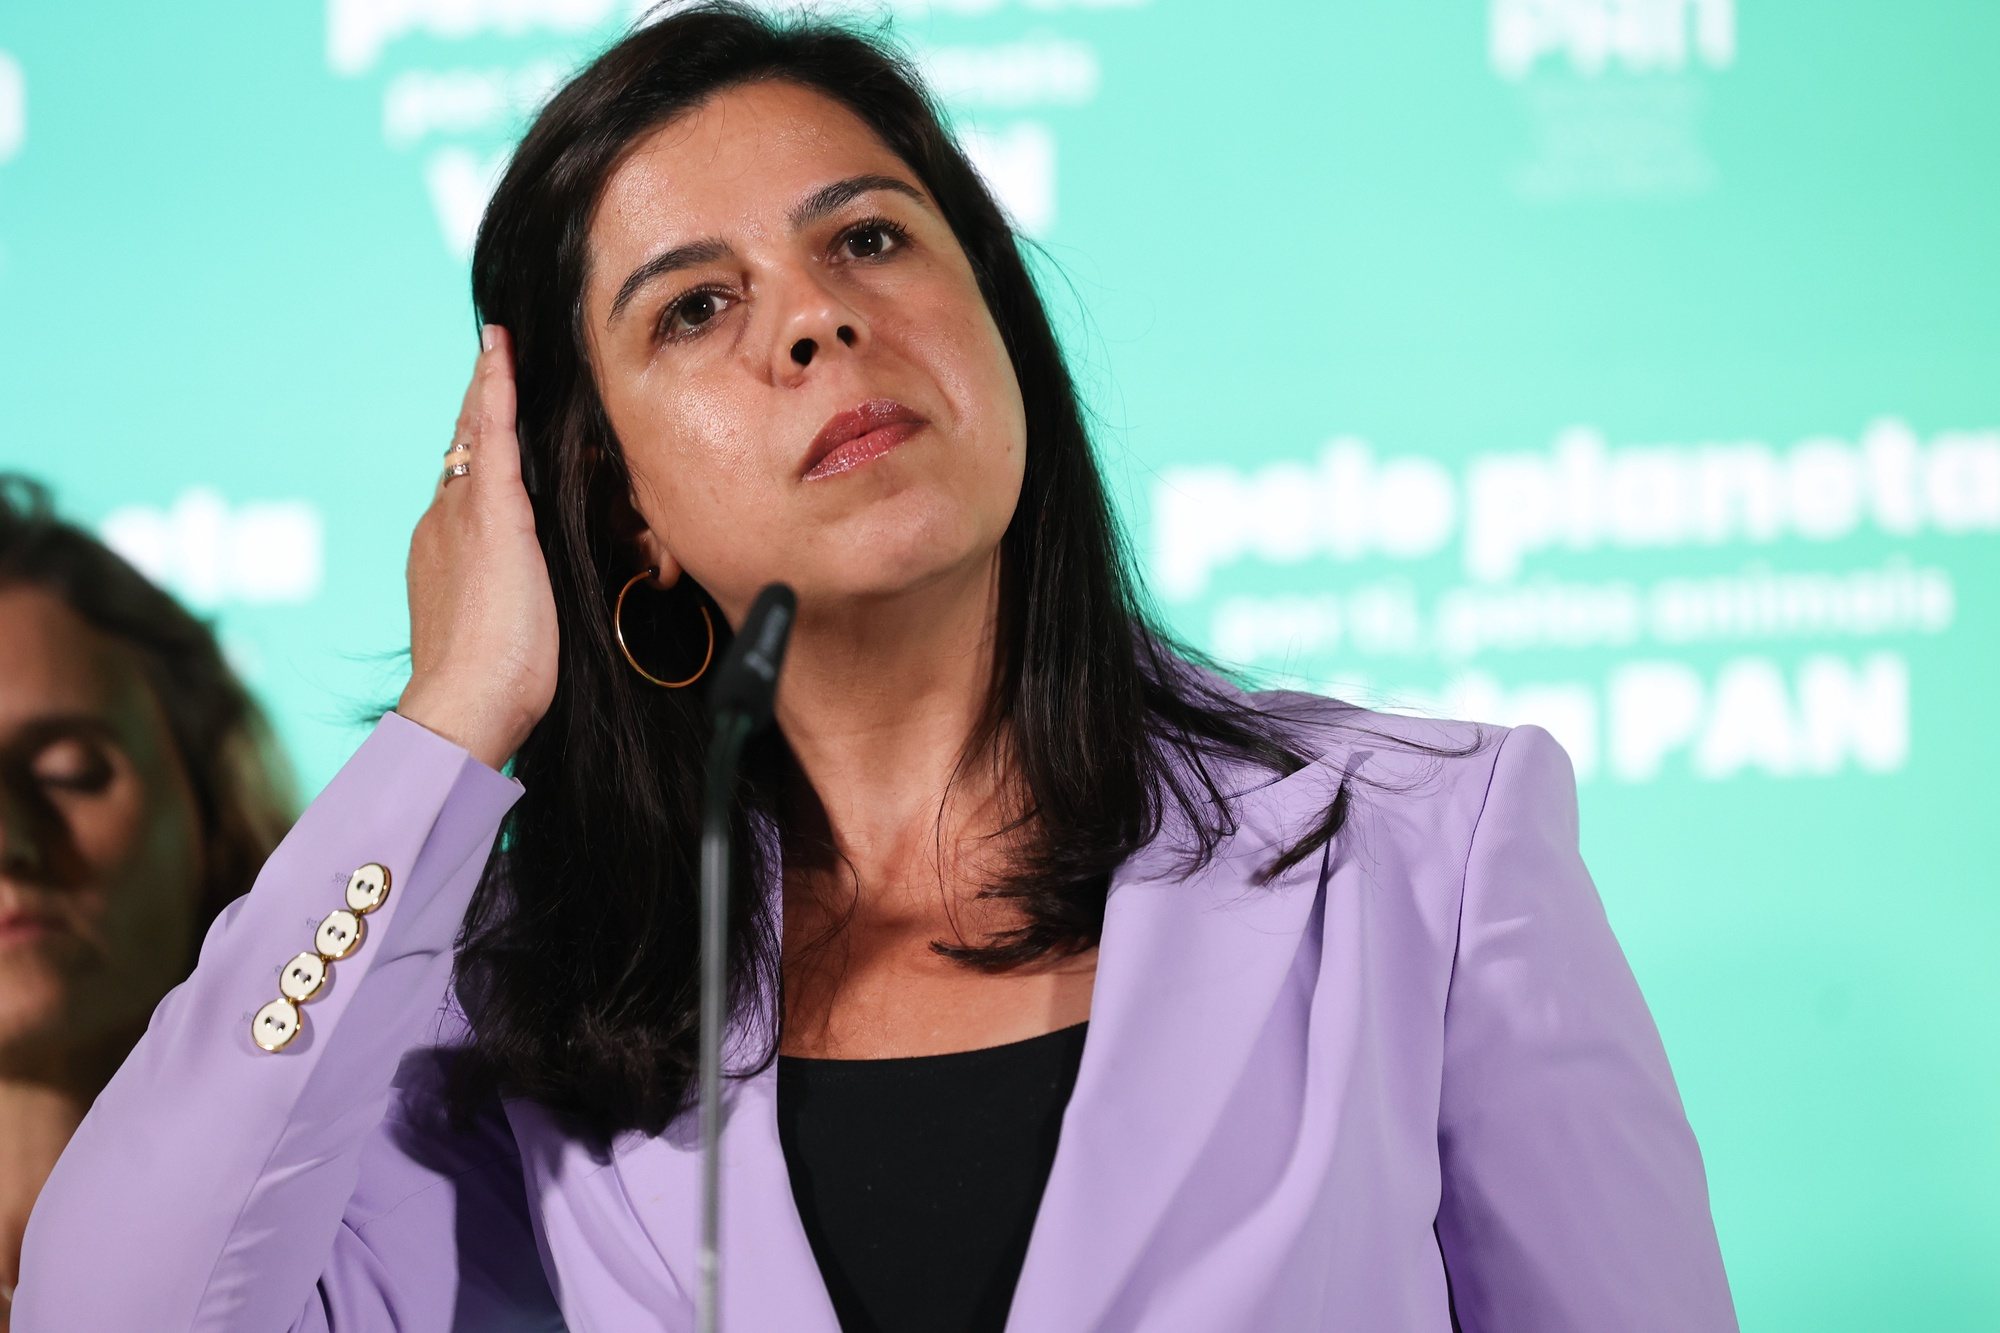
(488,733)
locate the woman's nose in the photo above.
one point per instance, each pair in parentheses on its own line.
(815,322)
(803,349)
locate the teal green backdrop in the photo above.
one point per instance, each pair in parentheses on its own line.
(1626,366)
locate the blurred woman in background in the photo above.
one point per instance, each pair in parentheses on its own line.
(138,796)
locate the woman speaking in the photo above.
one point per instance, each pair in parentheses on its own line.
(1072,987)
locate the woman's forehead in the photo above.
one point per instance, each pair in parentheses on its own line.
(53,662)
(739,161)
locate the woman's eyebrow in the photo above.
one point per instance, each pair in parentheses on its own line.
(38,730)
(804,213)
(827,198)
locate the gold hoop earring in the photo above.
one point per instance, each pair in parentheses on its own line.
(618,628)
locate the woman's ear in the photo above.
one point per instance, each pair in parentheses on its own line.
(646,545)
(653,551)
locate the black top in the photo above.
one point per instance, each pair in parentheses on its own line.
(918,1177)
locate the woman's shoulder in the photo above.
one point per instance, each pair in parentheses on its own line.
(1416,779)
(1347,727)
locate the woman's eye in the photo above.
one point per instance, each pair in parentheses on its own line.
(697,308)
(73,765)
(873,233)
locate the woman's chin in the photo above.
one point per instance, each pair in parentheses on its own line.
(897,549)
(34,996)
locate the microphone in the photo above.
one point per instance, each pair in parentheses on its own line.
(747,680)
(741,698)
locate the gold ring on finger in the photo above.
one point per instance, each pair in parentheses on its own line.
(459,446)
(456,470)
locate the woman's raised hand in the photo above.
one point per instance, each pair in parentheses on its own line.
(482,618)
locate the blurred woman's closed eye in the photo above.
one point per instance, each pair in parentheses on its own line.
(73,764)
(895,233)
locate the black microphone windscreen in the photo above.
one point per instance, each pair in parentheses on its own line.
(747,680)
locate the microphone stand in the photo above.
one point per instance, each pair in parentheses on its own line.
(742,694)
(732,730)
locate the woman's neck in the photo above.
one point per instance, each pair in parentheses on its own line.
(877,707)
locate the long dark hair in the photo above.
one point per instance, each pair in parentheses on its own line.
(577,965)
(242,786)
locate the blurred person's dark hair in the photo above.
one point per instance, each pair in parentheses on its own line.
(242,786)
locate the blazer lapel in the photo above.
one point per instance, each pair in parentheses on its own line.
(652,1187)
(1189,971)
(769,1278)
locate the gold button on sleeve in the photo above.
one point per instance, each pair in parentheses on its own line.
(367,888)
(275,1025)
(303,977)
(338,935)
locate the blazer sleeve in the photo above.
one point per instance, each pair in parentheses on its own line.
(217,1185)
(1573,1193)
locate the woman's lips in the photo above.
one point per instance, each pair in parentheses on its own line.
(864,449)
(20,929)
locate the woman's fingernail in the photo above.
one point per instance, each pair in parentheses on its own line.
(486,337)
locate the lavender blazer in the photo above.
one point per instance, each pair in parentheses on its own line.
(1410,1085)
